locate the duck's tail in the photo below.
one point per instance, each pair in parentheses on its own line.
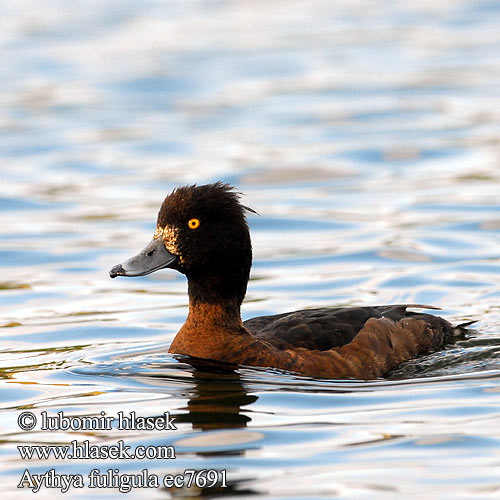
(459,330)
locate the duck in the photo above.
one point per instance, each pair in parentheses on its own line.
(203,233)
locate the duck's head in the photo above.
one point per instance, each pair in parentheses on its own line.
(201,232)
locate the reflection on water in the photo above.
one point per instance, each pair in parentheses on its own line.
(365,134)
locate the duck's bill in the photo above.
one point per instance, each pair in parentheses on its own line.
(155,256)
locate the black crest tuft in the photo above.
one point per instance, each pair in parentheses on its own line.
(210,202)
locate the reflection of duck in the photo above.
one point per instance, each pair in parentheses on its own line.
(202,232)
(216,400)
(216,406)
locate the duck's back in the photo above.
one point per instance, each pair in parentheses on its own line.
(327,328)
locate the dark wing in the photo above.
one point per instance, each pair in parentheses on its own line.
(326,328)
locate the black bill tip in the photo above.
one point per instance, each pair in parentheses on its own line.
(117,271)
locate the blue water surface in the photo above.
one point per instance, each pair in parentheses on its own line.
(365,135)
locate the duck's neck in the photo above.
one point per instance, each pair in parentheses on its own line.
(212,318)
(216,302)
(213,321)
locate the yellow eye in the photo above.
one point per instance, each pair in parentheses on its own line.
(194,224)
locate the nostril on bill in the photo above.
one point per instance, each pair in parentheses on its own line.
(149,254)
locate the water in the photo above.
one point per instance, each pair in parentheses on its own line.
(366,136)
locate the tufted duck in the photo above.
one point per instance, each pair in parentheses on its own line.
(202,232)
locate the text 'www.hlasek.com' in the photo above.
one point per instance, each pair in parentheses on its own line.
(110,477)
